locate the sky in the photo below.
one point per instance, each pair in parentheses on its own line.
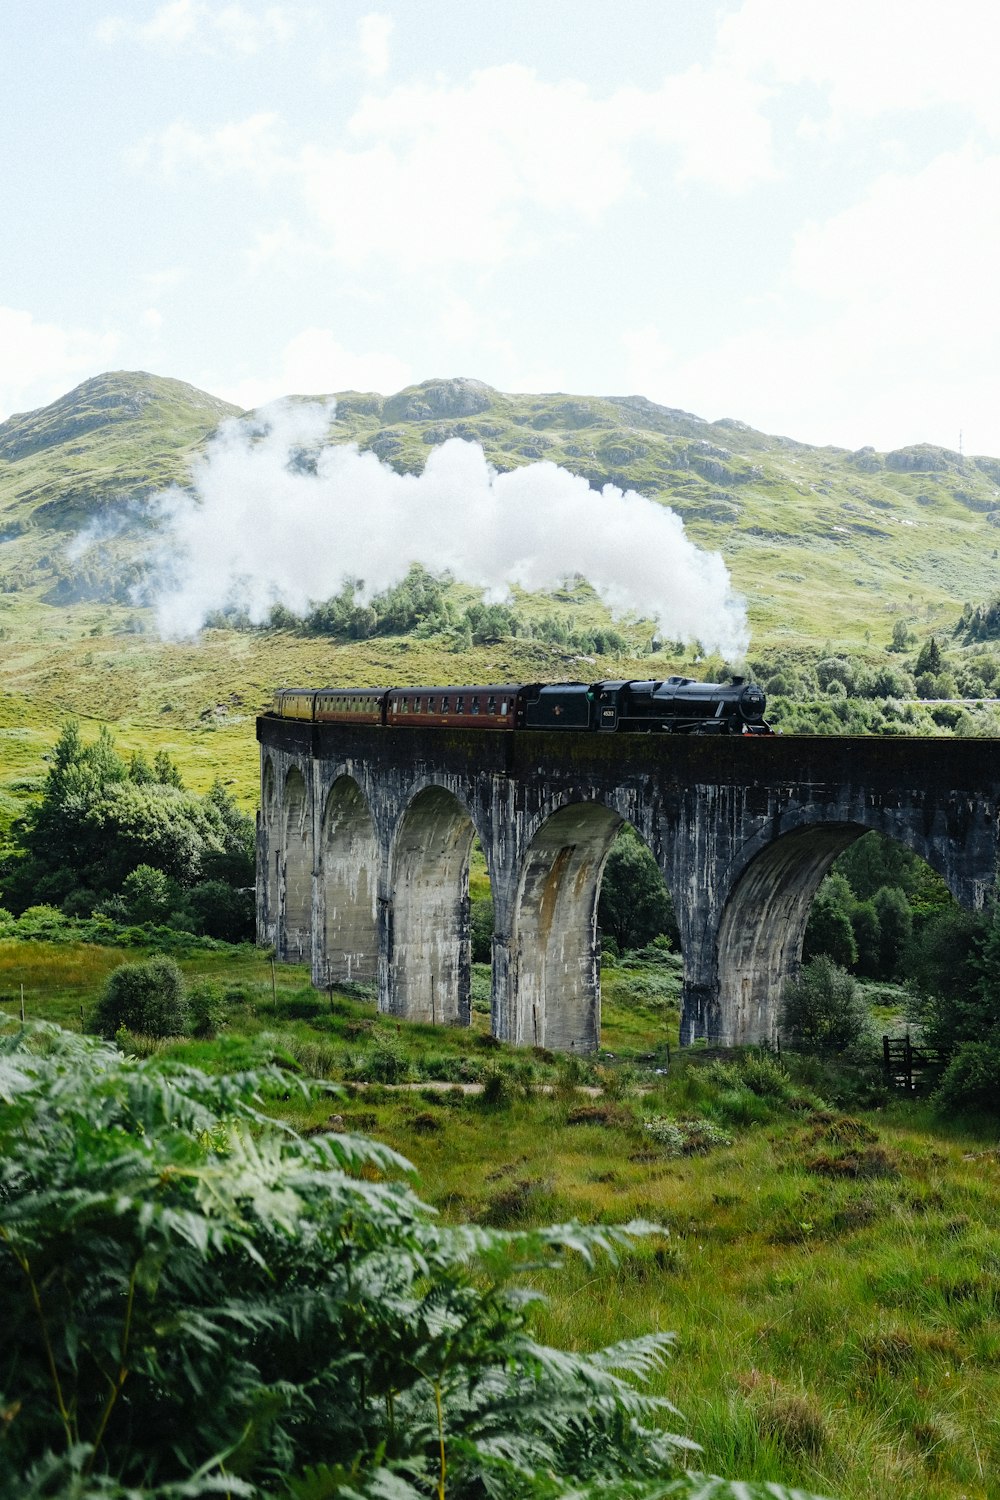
(781,211)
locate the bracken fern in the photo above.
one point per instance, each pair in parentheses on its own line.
(199,1301)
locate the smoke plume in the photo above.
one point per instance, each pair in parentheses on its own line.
(263,526)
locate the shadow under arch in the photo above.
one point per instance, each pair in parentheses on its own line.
(348,872)
(761,931)
(428,970)
(554,984)
(296,843)
(763,926)
(269,868)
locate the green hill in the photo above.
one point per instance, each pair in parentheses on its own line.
(827,546)
(822,542)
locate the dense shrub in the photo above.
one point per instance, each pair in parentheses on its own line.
(206,1010)
(972,1078)
(823,1011)
(693,1137)
(148,998)
(124,836)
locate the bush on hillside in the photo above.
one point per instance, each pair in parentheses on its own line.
(147,998)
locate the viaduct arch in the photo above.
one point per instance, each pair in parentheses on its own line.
(364,838)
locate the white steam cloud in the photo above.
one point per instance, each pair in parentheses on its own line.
(262,527)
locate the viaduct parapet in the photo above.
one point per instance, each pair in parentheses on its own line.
(364,838)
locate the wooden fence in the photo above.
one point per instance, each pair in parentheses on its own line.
(910,1065)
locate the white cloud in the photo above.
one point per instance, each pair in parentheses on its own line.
(205,26)
(870,60)
(486,170)
(316,363)
(896,339)
(39,361)
(921,248)
(247,148)
(374,31)
(714,118)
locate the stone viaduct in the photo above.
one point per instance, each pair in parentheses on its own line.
(364,837)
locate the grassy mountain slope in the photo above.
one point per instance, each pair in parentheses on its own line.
(824,544)
(821,541)
(115,437)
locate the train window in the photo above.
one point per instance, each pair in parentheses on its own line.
(491,705)
(460,705)
(416,705)
(475,705)
(445,703)
(430,705)
(503,706)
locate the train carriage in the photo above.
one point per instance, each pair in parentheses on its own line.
(295,703)
(351,705)
(494,706)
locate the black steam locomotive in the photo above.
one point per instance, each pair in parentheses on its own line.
(677,705)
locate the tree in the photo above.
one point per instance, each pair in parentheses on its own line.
(635,904)
(874,860)
(928,658)
(197,1302)
(219,910)
(895,921)
(148,894)
(828,929)
(481,929)
(944,964)
(101,818)
(868,938)
(960,1006)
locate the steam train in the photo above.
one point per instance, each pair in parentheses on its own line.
(677,705)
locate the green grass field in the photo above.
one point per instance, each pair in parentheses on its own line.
(833,1281)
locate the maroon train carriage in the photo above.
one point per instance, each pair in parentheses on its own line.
(494,706)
